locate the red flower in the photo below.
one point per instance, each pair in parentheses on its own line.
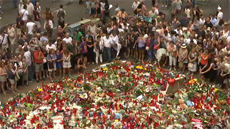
(156,124)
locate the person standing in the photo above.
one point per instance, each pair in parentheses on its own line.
(73,52)
(135,4)
(4,41)
(28,56)
(66,61)
(11,74)
(30,8)
(48,26)
(38,61)
(12,37)
(25,14)
(51,59)
(220,15)
(61,13)
(3,76)
(37,18)
(20,6)
(30,27)
(172,50)
(107,41)
(98,50)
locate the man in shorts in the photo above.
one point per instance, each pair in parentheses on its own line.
(38,61)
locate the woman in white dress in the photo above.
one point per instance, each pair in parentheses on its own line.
(192,57)
(66,61)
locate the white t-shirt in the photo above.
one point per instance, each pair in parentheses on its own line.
(48,47)
(51,25)
(115,39)
(68,40)
(107,42)
(135,5)
(30,27)
(27,55)
(219,17)
(5,41)
(187,12)
(25,14)
(102,6)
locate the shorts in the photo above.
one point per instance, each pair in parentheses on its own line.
(66,65)
(141,48)
(38,67)
(12,81)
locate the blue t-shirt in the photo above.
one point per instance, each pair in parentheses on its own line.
(49,57)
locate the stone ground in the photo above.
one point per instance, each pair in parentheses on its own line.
(75,12)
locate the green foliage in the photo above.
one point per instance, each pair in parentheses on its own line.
(87,87)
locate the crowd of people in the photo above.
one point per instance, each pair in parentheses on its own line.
(190,43)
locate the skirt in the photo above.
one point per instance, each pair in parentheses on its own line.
(12,81)
(59,65)
(2,78)
(66,65)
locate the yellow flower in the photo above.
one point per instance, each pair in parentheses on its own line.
(40,89)
(105,69)
(139,67)
(195,80)
(216,89)
(116,121)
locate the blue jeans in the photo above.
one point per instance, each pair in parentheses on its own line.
(107,54)
(31,72)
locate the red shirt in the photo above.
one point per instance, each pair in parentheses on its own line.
(38,60)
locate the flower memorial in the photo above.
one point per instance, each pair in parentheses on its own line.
(118,95)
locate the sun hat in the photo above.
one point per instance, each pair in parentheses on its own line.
(183,45)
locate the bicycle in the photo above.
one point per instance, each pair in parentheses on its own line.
(204,2)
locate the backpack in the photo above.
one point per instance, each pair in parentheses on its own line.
(61,13)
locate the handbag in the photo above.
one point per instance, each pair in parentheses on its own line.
(51,64)
(181,64)
(190,65)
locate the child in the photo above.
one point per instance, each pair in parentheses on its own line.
(59,62)
(25,72)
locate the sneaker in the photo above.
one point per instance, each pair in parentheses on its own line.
(174,69)
(165,6)
(170,68)
(0,18)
